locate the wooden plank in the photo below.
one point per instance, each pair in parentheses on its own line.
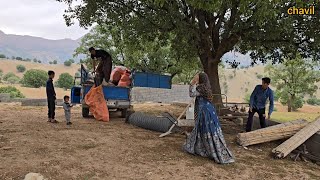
(295,141)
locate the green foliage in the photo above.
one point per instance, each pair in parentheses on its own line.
(65,81)
(193,30)
(50,62)
(8,75)
(13,80)
(314,101)
(67,63)
(247,98)
(294,79)
(276,95)
(71,60)
(55,62)
(14,92)
(21,68)
(77,74)
(19,58)
(259,76)
(2,56)
(150,55)
(35,60)
(34,78)
(39,62)
(293,103)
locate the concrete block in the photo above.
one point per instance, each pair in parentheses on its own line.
(4,97)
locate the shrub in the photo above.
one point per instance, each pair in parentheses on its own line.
(50,62)
(2,56)
(314,101)
(77,74)
(39,61)
(65,81)
(34,78)
(35,60)
(55,62)
(247,98)
(21,68)
(67,63)
(259,76)
(13,80)
(14,92)
(8,75)
(19,58)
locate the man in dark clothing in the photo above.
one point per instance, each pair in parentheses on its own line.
(105,65)
(258,101)
(51,97)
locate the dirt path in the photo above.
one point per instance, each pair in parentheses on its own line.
(115,150)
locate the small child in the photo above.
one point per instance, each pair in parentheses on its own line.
(67,109)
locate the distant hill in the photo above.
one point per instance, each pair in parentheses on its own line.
(36,47)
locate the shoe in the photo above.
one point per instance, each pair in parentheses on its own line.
(69,123)
(54,121)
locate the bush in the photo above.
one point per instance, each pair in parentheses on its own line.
(19,58)
(55,62)
(50,62)
(247,98)
(259,76)
(13,80)
(35,60)
(14,92)
(71,60)
(2,56)
(314,101)
(39,61)
(21,68)
(77,74)
(65,81)
(67,63)
(34,78)
(8,75)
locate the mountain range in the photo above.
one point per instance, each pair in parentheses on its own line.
(61,50)
(36,47)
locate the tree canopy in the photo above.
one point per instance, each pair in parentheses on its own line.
(209,29)
(294,79)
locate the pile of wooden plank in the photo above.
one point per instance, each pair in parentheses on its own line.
(295,141)
(277,132)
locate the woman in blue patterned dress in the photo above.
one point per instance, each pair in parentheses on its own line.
(206,139)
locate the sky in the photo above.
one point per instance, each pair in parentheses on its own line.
(40,18)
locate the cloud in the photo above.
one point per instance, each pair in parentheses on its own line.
(42,18)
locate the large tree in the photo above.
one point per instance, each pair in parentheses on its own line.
(209,29)
(294,79)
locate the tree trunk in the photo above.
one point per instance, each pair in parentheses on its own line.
(290,103)
(210,67)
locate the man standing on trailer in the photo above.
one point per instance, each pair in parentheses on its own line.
(258,101)
(105,65)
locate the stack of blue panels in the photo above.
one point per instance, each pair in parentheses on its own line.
(152,80)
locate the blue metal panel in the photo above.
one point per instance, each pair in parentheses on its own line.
(153,80)
(140,79)
(75,95)
(165,82)
(116,93)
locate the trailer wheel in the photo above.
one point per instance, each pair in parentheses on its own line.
(124,113)
(85,112)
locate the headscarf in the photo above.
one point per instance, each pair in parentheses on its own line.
(204,87)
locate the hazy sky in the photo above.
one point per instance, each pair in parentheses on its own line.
(41,18)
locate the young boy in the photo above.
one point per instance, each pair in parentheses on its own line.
(67,109)
(51,97)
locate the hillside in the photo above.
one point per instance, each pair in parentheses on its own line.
(36,47)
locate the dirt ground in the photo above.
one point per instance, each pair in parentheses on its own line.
(115,150)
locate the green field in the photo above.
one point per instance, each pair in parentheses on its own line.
(289,116)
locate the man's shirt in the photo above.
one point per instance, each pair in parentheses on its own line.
(259,98)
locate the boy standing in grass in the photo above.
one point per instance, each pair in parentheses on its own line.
(51,97)
(67,109)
